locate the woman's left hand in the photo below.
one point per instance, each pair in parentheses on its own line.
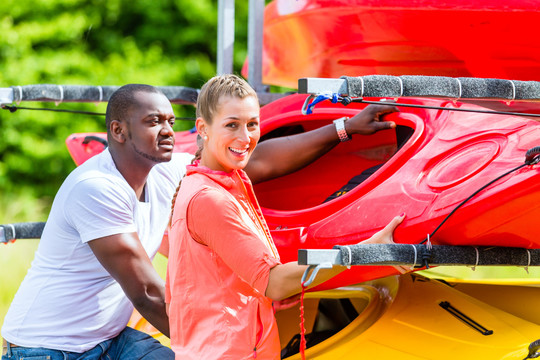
(386,236)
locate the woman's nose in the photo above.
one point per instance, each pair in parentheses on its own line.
(243,133)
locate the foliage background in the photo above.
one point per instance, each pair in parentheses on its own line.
(97,42)
(87,42)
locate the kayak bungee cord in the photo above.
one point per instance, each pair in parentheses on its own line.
(469,198)
(344,100)
(445,108)
(14,108)
(532,157)
(335,98)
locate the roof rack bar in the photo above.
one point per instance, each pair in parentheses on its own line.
(15,231)
(322,85)
(423,86)
(6,96)
(85,93)
(420,255)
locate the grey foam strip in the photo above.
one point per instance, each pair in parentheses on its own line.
(406,254)
(27,230)
(440,86)
(77,93)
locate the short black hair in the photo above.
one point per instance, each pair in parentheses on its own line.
(123,99)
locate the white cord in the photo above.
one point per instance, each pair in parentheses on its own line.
(61,95)
(459,87)
(513,90)
(477,259)
(14,236)
(100,94)
(350,256)
(528,261)
(20,94)
(400,87)
(415,255)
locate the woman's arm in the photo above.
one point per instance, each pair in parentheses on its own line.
(285,279)
(281,156)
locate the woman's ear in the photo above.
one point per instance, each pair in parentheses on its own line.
(201,127)
(118,131)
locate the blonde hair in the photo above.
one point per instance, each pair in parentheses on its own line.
(218,87)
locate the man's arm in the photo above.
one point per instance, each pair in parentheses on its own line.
(124,257)
(281,156)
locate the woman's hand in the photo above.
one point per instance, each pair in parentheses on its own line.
(386,236)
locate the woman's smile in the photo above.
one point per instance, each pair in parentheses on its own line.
(239,152)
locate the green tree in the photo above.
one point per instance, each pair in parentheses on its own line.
(97,42)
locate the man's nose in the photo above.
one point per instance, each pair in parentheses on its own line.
(167,128)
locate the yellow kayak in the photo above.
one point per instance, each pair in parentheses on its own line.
(411,317)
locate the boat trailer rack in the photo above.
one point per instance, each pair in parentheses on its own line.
(414,255)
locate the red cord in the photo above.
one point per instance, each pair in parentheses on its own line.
(302,328)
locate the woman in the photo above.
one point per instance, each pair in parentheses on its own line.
(224,270)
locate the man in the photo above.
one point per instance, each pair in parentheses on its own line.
(107,221)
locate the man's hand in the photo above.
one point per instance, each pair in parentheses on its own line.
(370,120)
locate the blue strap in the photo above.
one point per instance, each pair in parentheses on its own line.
(333,97)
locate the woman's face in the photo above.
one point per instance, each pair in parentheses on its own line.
(233,134)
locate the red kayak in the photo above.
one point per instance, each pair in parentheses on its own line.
(427,166)
(455,38)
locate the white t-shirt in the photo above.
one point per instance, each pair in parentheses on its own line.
(68,301)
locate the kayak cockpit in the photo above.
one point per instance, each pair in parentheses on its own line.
(345,173)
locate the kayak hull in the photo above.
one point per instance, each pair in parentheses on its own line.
(456,38)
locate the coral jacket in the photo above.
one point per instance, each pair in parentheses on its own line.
(220,257)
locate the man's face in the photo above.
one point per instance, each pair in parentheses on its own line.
(150,132)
